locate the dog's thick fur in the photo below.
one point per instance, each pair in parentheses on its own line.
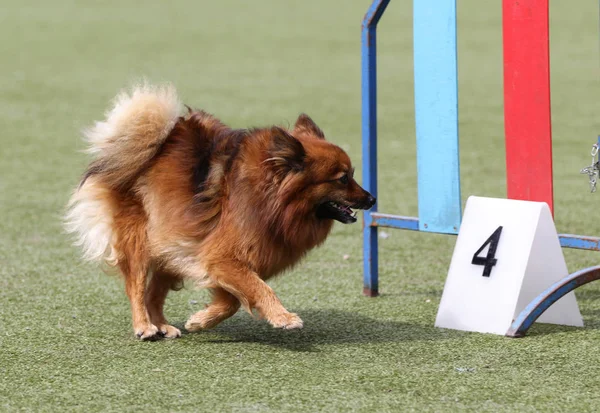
(171,197)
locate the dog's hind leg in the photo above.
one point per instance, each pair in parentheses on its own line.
(158,288)
(223,306)
(134,262)
(135,274)
(134,265)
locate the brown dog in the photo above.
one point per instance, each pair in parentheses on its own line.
(171,197)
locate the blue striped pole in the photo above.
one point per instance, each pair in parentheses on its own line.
(436,114)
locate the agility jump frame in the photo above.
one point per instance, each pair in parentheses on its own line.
(527,120)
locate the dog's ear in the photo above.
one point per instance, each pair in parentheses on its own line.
(286,152)
(304,124)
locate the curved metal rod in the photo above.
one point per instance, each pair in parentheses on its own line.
(374,13)
(543,301)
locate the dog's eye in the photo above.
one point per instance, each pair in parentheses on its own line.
(344,179)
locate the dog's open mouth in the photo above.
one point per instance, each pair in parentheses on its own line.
(339,212)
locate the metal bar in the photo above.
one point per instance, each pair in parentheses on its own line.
(394,221)
(436,115)
(378,219)
(542,302)
(369,140)
(527,120)
(580,242)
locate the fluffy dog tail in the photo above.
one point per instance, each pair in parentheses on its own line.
(124,144)
(133,133)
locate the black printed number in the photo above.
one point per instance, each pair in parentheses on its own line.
(490,259)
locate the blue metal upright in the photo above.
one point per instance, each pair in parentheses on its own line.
(369,138)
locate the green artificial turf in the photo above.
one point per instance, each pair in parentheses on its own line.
(65,338)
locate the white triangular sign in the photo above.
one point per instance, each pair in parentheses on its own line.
(507,253)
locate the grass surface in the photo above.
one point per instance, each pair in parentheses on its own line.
(65,335)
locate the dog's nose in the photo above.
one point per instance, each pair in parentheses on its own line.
(371,201)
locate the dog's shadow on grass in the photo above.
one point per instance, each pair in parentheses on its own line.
(321,327)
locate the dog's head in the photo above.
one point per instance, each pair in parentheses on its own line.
(315,174)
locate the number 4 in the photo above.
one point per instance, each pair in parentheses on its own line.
(490,260)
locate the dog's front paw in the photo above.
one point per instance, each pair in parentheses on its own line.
(198,321)
(147,332)
(287,321)
(168,331)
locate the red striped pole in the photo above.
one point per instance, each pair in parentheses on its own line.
(527,122)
